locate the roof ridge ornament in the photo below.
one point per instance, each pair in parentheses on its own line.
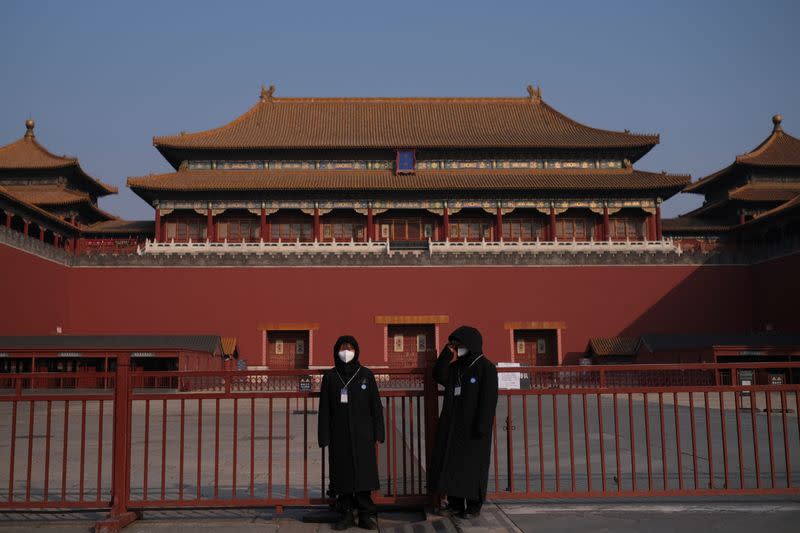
(29,125)
(535,93)
(266,93)
(776,121)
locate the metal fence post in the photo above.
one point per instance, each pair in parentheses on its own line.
(120,516)
(431,396)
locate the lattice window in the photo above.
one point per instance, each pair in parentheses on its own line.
(573,228)
(523,229)
(627,228)
(183,229)
(344,230)
(471,229)
(291,230)
(236,229)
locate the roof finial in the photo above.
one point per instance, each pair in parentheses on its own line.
(776,120)
(29,124)
(535,93)
(266,94)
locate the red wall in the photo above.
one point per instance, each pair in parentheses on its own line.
(34,294)
(776,285)
(590,300)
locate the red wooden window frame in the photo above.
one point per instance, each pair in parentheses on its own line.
(237,228)
(291,230)
(185,228)
(623,228)
(567,228)
(474,229)
(524,229)
(344,230)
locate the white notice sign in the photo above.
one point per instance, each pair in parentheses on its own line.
(508,380)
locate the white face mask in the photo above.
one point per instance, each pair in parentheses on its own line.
(346,355)
(462,352)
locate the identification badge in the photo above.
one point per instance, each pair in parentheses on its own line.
(457,390)
(343,396)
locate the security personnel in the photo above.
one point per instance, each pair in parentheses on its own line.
(350,423)
(461,454)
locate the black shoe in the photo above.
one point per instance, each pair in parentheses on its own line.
(348,520)
(453,509)
(366,522)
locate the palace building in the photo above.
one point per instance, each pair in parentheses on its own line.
(396,220)
(408,171)
(754,199)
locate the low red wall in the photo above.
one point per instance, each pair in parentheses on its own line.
(592,301)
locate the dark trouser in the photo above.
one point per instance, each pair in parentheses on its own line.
(360,501)
(461,504)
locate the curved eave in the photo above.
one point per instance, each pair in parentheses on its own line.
(38,212)
(249,181)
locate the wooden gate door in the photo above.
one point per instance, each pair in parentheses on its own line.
(287,350)
(535,347)
(410,345)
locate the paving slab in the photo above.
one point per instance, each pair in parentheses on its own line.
(730,516)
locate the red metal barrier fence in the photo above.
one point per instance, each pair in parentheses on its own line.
(242,439)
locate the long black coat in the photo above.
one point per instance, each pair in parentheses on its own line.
(350,430)
(462,451)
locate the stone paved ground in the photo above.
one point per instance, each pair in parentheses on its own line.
(733,515)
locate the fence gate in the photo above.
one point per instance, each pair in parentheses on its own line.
(126,441)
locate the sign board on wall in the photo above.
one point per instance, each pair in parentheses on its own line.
(508,380)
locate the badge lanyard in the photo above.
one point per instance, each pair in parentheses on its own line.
(457,388)
(343,395)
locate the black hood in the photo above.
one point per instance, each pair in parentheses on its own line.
(352,366)
(470,337)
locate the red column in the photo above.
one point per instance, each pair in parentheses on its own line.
(317,234)
(370,225)
(658,222)
(157,231)
(209,225)
(264,231)
(552,224)
(446,222)
(498,236)
(41,233)
(25,224)
(8,219)
(56,240)
(119,516)
(606,229)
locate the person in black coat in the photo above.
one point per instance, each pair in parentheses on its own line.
(350,423)
(461,454)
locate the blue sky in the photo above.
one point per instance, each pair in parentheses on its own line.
(102,78)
